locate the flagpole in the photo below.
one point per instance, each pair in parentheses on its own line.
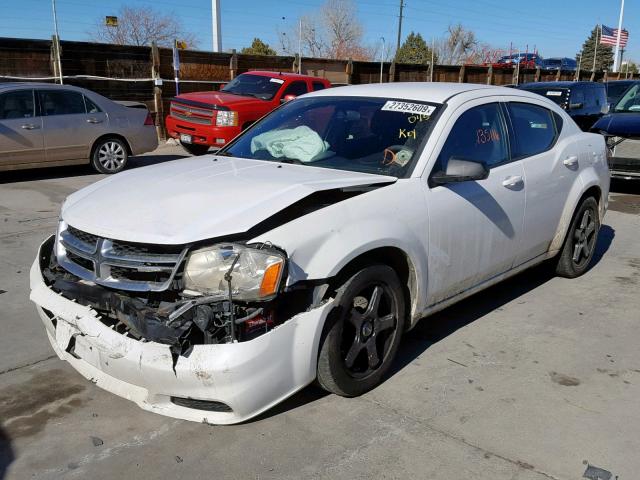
(615,58)
(595,52)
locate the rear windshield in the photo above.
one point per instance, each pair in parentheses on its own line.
(558,95)
(362,134)
(257,86)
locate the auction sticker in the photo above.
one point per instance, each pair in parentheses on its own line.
(406,107)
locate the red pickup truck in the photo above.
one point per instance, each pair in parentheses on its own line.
(212,119)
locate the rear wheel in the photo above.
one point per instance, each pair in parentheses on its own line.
(109,156)
(195,149)
(363,332)
(580,243)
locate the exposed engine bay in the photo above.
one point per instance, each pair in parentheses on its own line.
(172,317)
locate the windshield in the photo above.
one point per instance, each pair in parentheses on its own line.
(630,101)
(558,95)
(257,86)
(553,62)
(616,90)
(370,135)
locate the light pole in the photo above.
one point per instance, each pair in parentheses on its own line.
(616,59)
(381,58)
(55,28)
(215,25)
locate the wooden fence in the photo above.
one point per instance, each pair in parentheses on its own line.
(146,74)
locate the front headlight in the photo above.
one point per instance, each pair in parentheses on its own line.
(256,274)
(226,118)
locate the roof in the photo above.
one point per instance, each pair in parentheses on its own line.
(437,92)
(563,84)
(11,85)
(282,75)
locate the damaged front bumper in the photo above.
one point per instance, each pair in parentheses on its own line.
(217,384)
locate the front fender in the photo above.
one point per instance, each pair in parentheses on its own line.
(319,245)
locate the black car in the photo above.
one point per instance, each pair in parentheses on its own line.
(622,129)
(585,102)
(615,89)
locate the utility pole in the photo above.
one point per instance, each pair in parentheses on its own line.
(381,58)
(300,47)
(56,41)
(595,51)
(215,25)
(399,27)
(616,59)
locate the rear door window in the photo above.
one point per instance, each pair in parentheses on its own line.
(318,86)
(296,88)
(534,129)
(91,106)
(17,104)
(61,102)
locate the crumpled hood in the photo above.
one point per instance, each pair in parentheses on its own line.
(194,199)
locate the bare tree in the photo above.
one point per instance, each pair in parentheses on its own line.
(457,46)
(333,32)
(141,26)
(344,30)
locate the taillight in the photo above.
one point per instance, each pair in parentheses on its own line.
(149,119)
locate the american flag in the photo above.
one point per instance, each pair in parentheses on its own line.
(609,36)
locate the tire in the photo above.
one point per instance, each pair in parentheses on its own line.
(362,333)
(195,149)
(580,242)
(109,156)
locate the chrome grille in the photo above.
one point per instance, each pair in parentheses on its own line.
(117,264)
(192,114)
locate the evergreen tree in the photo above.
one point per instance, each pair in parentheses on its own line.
(414,50)
(604,54)
(258,47)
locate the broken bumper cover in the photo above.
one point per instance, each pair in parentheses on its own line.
(245,379)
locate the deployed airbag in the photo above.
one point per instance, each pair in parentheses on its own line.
(300,143)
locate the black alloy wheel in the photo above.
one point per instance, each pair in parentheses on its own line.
(363,334)
(580,242)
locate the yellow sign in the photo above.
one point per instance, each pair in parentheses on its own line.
(111,21)
(181,45)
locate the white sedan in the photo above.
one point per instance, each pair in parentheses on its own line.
(213,288)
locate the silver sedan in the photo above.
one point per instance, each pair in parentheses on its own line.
(46,125)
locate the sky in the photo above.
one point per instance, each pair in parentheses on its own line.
(557,28)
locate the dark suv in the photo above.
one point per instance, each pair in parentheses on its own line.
(586,102)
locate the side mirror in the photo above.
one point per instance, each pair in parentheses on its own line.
(576,106)
(287,98)
(461,170)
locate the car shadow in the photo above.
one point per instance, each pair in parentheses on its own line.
(440,325)
(52,173)
(7,455)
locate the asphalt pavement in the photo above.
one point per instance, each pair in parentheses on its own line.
(535,378)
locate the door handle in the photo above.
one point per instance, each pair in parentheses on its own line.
(571,161)
(93,120)
(512,181)
(29,126)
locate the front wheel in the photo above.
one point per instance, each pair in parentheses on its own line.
(109,156)
(363,332)
(195,149)
(580,243)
